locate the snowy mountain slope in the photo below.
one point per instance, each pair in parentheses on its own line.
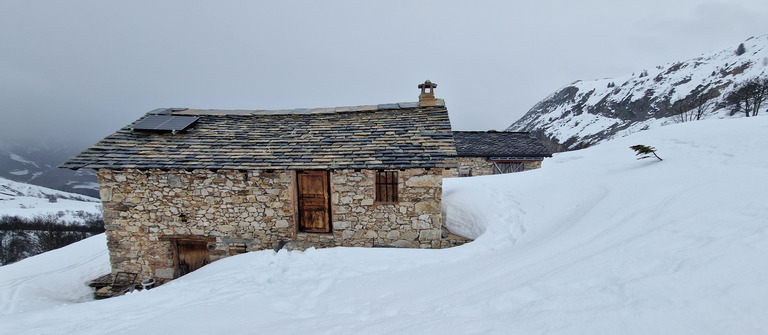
(588,112)
(54,278)
(37,163)
(628,247)
(28,201)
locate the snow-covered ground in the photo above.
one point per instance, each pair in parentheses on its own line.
(52,279)
(28,201)
(595,242)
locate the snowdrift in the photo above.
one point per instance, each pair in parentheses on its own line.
(595,242)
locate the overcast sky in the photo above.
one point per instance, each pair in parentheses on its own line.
(82,69)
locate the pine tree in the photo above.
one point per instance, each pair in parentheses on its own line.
(741,50)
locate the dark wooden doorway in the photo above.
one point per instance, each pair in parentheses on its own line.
(190,256)
(314,196)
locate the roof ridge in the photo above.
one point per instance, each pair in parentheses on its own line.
(492,131)
(322,110)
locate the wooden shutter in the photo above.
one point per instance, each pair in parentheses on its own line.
(314,201)
(386,186)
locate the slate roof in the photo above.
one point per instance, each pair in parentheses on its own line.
(400,135)
(498,144)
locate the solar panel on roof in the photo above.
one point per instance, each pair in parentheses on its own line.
(174,123)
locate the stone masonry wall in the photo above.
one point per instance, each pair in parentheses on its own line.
(144,209)
(478,166)
(481,166)
(414,222)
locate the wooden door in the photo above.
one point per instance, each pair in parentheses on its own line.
(192,255)
(314,201)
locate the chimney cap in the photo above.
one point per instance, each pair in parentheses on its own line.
(428,84)
(427,96)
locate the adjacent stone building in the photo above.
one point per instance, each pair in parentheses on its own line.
(183,187)
(495,152)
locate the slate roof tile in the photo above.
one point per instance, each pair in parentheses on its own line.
(385,136)
(499,144)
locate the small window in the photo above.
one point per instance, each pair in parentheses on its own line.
(507,167)
(237,248)
(386,186)
(465,172)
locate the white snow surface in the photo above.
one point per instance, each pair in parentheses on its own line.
(594,242)
(91,186)
(19,172)
(51,279)
(22,160)
(28,201)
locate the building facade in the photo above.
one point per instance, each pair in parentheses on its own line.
(483,153)
(185,187)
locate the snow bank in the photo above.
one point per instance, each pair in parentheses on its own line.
(54,278)
(595,242)
(482,208)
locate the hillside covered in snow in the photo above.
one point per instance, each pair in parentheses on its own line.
(33,162)
(28,201)
(677,246)
(35,219)
(588,112)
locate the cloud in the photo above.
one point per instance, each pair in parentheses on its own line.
(82,69)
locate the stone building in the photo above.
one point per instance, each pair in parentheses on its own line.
(495,152)
(183,187)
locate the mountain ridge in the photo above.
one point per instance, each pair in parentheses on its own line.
(585,113)
(37,163)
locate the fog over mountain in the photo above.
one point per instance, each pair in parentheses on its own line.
(37,163)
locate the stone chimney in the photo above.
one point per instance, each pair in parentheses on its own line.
(427,96)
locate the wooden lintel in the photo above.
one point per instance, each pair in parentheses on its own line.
(187,238)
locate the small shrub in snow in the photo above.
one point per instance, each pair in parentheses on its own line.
(645,151)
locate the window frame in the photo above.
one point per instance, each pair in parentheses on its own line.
(387,187)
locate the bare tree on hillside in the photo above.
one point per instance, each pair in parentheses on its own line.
(683,111)
(700,102)
(693,108)
(22,237)
(748,97)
